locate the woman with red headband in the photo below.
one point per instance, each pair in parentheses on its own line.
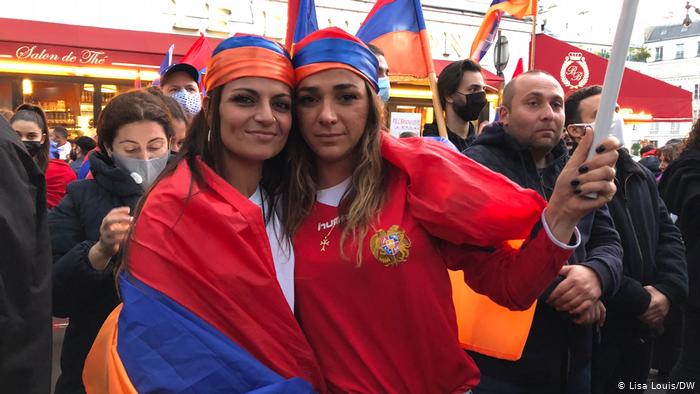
(207,300)
(377,220)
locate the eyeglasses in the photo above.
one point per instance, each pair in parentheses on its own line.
(582,125)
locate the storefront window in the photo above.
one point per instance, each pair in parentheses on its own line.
(71,104)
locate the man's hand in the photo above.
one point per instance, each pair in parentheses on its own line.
(658,308)
(595,314)
(577,292)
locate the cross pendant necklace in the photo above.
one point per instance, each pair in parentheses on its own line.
(325,242)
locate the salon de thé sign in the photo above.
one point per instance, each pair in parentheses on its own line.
(77,56)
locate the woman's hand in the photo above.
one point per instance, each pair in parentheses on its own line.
(115,227)
(570,199)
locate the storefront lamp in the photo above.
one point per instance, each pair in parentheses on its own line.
(27,87)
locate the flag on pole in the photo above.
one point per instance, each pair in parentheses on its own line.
(398,28)
(165,64)
(199,53)
(167,60)
(489,27)
(301,21)
(198,56)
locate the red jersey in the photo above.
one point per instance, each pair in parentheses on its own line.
(388,325)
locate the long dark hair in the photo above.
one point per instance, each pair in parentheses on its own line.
(33,113)
(204,141)
(365,195)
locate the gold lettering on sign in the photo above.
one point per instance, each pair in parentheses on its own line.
(31,52)
(92,57)
(87,56)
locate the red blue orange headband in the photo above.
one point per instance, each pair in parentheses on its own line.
(333,48)
(248,56)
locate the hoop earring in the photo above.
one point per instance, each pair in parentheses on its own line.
(209,137)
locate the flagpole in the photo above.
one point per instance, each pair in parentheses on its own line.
(532,41)
(437,106)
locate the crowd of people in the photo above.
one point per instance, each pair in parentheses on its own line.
(272,235)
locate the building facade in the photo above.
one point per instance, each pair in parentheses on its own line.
(134,35)
(675,58)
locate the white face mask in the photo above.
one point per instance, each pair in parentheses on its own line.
(189,101)
(143,172)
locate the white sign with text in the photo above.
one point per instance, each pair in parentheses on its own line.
(404,121)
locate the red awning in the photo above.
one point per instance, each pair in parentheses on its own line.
(56,42)
(489,77)
(647,98)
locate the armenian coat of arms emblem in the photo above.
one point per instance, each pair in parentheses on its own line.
(390,247)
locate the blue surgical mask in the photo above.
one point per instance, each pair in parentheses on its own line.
(384,88)
(189,101)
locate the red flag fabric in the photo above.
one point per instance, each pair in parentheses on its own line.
(199,53)
(518,68)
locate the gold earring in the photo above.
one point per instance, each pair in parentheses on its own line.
(209,137)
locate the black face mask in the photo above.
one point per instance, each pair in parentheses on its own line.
(33,147)
(474,103)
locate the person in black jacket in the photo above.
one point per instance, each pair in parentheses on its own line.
(526,147)
(654,268)
(88,225)
(25,271)
(680,189)
(462,95)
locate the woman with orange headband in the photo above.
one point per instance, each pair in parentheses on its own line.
(376,221)
(207,300)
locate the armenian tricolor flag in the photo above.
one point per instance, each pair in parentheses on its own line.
(397,27)
(489,27)
(202,310)
(301,21)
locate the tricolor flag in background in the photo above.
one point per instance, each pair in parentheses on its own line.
(301,21)
(397,27)
(486,35)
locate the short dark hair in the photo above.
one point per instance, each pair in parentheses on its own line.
(86,144)
(375,49)
(573,102)
(60,131)
(451,76)
(645,149)
(130,107)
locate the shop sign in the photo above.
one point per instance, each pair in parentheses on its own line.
(84,56)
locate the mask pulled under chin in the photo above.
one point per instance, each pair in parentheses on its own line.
(143,172)
(470,110)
